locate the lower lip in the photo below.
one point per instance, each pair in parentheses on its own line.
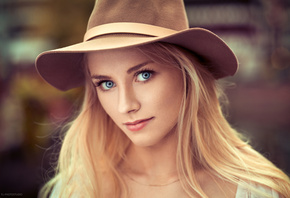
(139,126)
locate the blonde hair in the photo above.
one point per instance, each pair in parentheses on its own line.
(94,146)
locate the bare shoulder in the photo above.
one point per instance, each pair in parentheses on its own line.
(216,187)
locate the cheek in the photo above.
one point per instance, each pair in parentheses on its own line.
(108,104)
(165,95)
(171,97)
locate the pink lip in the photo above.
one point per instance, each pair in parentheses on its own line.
(138,124)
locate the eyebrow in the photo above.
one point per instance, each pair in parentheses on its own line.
(135,68)
(101,77)
(129,71)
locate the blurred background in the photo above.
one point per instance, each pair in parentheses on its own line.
(31,112)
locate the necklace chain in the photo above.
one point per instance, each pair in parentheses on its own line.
(152,185)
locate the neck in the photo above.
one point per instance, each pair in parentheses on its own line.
(154,165)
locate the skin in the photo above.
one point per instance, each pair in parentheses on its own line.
(132,87)
(134,97)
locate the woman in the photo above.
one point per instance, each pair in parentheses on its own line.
(151,123)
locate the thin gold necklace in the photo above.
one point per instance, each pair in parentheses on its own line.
(152,185)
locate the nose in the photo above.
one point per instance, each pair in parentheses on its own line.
(128,101)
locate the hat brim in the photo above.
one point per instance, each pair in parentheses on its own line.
(62,67)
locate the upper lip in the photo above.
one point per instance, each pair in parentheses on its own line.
(137,121)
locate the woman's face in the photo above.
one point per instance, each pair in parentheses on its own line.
(142,97)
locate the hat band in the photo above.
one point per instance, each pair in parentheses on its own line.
(131,28)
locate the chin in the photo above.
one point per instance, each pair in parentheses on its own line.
(147,142)
(144,143)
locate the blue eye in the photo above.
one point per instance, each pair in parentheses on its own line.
(106,85)
(143,76)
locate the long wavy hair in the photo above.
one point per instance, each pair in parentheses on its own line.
(93,146)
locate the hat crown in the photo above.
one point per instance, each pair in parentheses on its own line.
(164,13)
(115,24)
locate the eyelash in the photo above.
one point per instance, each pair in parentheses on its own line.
(143,70)
(99,83)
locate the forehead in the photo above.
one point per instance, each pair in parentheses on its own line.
(113,59)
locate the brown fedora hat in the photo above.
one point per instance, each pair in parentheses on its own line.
(117,24)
